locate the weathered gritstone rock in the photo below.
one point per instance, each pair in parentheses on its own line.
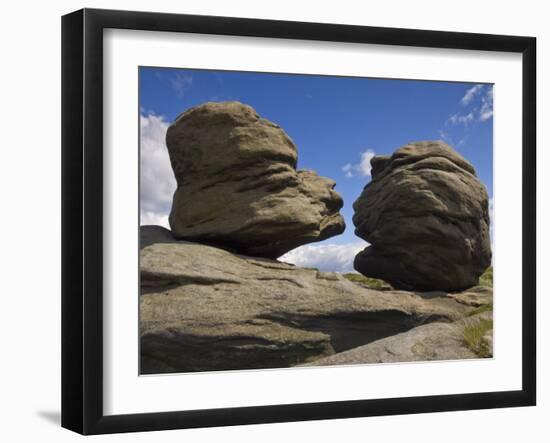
(205,309)
(238,187)
(425,215)
(434,341)
(476,296)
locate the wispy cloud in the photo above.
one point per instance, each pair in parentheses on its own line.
(348,170)
(443,135)
(478,103)
(481,97)
(362,168)
(180,83)
(470,94)
(330,257)
(486,111)
(464,119)
(451,141)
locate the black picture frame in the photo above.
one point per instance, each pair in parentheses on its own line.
(82,218)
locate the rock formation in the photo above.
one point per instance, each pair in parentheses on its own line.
(238,187)
(434,341)
(425,215)
(203,308)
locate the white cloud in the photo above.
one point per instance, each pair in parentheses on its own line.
(348,170)
(464,119)
(330,257)
(363,167)
(153,218)
(486,111)
(485,93)
(470,94)
(364,164)
(479,99)
(180,83)
(157,182)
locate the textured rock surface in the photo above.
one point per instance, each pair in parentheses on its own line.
(476,296)
(434,341)
(238,186)
(203,308)
(150,234)
(425,214)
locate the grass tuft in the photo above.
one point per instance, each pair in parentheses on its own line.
(480,309)
(486,278)
(372,283)
(473,336)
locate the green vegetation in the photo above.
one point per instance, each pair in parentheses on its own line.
(473,336)
(480,309)
(486,278)
(372,283)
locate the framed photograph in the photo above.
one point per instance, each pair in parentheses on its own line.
(268,221)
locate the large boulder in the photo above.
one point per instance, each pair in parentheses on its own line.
(426,217)
(203,308)
(238,186)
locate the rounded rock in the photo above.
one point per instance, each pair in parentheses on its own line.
(426,217)
(238,186)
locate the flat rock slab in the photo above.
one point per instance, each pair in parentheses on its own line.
(476,296)
(204,309)
(434,341)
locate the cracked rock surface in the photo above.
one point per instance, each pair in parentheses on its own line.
(204,309)
(434,341)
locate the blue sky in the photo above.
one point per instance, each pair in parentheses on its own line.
(337,123)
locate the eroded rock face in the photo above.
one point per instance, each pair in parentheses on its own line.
(238,186)
(434,341)
(203,309)
(426,216)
